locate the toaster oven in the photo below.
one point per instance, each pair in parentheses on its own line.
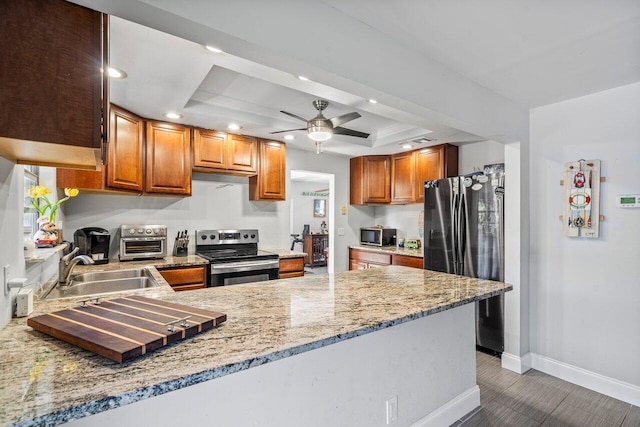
(142,242)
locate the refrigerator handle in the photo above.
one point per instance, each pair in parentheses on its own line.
(462,232)
(454,220)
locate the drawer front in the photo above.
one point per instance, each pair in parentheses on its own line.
(190,287)
(407,261)
(289,265)
(291,274)
(370,256)
(181,276)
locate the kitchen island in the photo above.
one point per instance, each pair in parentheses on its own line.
(319,350)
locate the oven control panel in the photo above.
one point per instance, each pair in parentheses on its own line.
(141,230)
(226,237)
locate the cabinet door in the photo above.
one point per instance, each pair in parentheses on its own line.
(270,182)
(407,261)
(52,84)
(168,163)
(377,179)
(355,264)
(185,278)
(209,149)
(125,151)
(429,165)
(370,180)
(291,267)
(242,153)
(403,188)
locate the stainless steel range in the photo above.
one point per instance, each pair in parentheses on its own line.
(234,257)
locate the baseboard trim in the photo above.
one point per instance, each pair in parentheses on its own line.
(517,364)
(617,389)
(453,410)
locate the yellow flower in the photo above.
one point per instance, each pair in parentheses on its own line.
(71,192)
(38,191)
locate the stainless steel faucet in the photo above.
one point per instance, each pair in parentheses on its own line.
(67,263)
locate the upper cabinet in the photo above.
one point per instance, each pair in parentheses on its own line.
(370,180)
(53,91)
(270,182)
(440,161)
(125,165)
(399,179)
(221,152)
(159,163)
(403,177)
(168,162)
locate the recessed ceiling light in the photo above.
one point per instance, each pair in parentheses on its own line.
(117,73)
(406,146)
(213,49)
(289,137)
(173,115)
(234,126)
(303,78)
(373,101)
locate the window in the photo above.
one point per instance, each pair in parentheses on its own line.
(31,179)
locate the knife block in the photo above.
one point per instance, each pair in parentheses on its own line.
(180,250)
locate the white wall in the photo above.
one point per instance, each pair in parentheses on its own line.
(586,292)
(303,206)
(473,157)
(220,201)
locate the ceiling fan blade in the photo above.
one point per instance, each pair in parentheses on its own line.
(350,132)
(295,116)
(337,121)
(288,130)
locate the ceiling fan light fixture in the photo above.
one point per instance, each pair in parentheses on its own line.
(319,134)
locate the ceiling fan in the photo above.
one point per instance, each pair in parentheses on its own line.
(320,128)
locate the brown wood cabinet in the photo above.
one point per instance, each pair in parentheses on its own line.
(291,267)
(361,260)
(221,152)
(53,91)
(440,161)
(407,261)
(270,182)
(316,246)
(125,166)
(403,187)
(168,162)
(370,180)
(185,278)
(399,179)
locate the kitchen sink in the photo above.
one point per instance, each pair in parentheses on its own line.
(103,282)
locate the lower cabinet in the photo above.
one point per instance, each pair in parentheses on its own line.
(185,278)
(291,267)
(362,260)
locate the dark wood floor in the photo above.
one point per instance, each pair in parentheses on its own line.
(537,399)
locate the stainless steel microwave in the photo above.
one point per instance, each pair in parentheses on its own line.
(378,236)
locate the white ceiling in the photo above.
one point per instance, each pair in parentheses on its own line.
(534,52)
(530,52)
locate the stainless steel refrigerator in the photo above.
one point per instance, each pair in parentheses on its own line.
(464,234)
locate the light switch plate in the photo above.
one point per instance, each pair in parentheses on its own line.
(340,231)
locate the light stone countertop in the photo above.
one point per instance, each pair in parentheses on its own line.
(394,250)
(47,381)
(286,253)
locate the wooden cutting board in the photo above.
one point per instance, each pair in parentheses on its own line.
(124,328)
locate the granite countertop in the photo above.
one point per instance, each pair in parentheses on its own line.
(286,253)
(47,381)
(394,250)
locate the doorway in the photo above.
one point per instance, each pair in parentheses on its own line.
(312,217)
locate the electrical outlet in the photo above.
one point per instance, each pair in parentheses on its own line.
(340,231)
(392,410)
(343,210)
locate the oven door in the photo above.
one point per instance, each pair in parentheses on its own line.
(142,248)
(234,273)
